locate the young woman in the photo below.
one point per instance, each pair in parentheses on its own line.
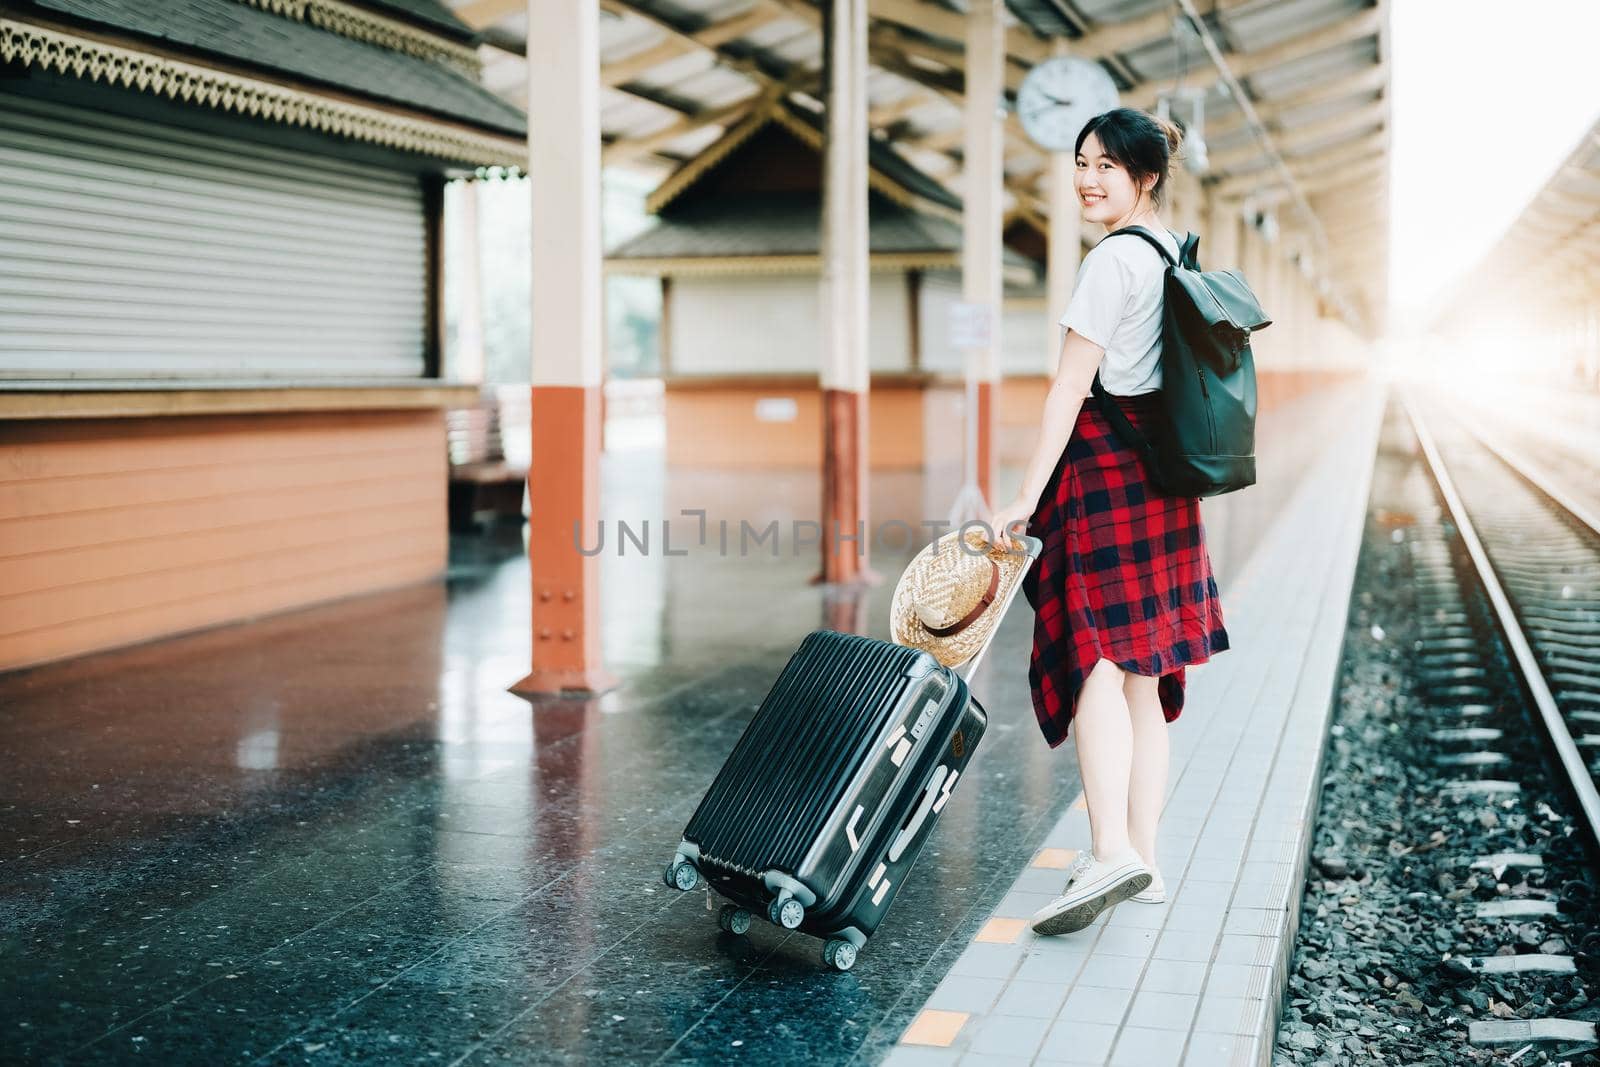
(1123,592)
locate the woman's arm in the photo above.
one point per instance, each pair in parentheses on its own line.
(1080,358)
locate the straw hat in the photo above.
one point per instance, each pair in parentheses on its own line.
(949,597)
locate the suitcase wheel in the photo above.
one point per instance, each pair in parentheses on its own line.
(681,874)
(734,919)
(786,912)
(839,954)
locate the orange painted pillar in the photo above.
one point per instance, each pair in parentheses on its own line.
(566,349)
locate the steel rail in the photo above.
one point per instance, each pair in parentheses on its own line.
(1567,752)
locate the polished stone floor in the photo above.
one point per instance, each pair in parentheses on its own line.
(333,835)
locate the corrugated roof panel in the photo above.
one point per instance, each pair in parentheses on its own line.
(1164,60)
(705,10)
(693,143)
(639,123)
(1101,12)
(936,113)
(629,116)
(1226,144)
(620,38)
(1326,109)
(715,87)
(503,71)
(1261,26)
(1285,79)
(777,33)
(803,48)
(1325,144)
(673,71)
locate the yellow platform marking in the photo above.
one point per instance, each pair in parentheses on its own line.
(933,1027)
(1001,931)
(1055,859)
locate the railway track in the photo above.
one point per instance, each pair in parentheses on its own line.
(1513,563)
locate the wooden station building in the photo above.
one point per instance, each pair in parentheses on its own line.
(737,249)
(220,318)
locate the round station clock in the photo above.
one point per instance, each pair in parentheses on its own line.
(1059,96)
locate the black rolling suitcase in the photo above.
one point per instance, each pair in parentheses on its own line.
(817,816)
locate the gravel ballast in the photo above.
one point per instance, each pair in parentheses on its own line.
(1387,964)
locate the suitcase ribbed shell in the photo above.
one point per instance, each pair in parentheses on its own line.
(808,739)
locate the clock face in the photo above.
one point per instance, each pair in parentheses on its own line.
(1059,96)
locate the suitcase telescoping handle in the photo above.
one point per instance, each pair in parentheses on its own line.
(930,795)
(1032,546)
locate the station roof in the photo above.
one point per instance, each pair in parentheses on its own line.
(1552,249)
(676,76)
(416,54)
(756,194)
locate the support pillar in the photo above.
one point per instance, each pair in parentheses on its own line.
(468,362)
(565,348)
(1064,247)
(1064,252)
(981,222)
(843,297)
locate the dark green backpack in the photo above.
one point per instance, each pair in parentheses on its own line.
(1205,443)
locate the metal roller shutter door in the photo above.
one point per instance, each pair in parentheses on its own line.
(131,249)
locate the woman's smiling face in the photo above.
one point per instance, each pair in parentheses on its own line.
(1106,191)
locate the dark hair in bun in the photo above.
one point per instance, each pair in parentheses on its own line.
(1141,142)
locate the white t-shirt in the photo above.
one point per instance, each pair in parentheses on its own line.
(1116,303)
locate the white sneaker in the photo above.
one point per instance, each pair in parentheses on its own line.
(1102,884)
(1156,893)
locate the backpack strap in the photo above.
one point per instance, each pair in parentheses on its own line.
(1189,251)
(1120,424)
(1140,231)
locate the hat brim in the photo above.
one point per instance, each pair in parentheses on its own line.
(906,628)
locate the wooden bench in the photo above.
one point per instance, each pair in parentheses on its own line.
(482,482)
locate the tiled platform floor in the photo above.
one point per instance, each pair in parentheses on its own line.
(1195,980)
(333,836)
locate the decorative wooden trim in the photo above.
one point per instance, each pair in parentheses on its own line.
(361,25)
(140,402)
(189,83)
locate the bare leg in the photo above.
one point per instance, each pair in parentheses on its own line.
(1105,753)
(1147,786)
